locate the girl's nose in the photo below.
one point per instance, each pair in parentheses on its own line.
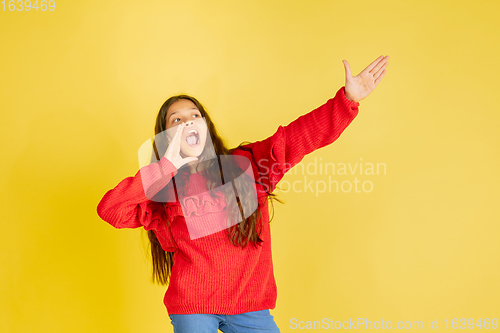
(189,123)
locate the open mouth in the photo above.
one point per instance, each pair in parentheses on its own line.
(193,138)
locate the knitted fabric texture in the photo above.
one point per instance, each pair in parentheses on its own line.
(210,274)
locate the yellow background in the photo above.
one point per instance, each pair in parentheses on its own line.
(80,90)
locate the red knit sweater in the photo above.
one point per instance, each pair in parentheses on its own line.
(210,274)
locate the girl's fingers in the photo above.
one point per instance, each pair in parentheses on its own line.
(373,64)
(378,66)
(348,73)
(377,74)
(380,77)
(178,133)
(174,143)
(175,134)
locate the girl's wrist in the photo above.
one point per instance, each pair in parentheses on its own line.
(349,97)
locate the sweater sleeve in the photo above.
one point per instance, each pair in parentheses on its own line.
(277,154)
(128,206)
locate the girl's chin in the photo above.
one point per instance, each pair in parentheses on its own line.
(185,154)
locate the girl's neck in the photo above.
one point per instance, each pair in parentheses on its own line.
(196,166)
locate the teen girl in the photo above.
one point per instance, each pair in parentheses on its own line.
(220,275)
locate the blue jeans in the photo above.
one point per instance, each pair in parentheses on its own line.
(249,322)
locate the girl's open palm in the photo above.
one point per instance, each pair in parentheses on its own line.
(360,86)
(174,148)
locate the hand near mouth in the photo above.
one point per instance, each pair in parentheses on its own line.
(174,148)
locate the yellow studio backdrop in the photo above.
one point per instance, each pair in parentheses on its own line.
(82,84)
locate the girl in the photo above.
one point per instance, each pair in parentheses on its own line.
(205,207)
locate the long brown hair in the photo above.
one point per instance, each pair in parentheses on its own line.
(241,234)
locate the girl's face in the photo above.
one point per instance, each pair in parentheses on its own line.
(194,133)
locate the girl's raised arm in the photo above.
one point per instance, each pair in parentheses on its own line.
(277,154)
(274,156)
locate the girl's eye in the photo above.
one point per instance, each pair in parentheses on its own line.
(176,120)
